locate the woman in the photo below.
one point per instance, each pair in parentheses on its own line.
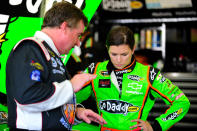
(125,90)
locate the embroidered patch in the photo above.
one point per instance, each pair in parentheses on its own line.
(123,71)
(135,77)
(64,123)
(118,107)
(55,71)
(52,54)
(37,65)
(35,75)
(162,79)
(104,83)
(177,97)
(54,63)
(104,73)
(3,117)
(173,115)
(134,88)
(152,74)
(69,113)
(91,67)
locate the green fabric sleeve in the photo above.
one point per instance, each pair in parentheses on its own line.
(179,104)
(84,93)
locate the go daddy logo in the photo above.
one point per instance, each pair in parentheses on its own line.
(117,107)
(173,115)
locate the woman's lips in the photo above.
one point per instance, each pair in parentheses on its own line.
(119,65)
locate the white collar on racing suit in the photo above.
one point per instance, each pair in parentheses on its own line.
(49,41)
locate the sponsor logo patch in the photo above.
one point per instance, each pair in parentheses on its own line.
(173,115)
(37,65)
(123,71)
(159,76)
(104,83)
(135,77)
(3,117)
(134,88)
(57,72)
(104,73)
(162,79)
(51,53)
(54,63)
(69,113)
(177,97)
(35,75)
(152,74)
(169,83)
(64,123)
(136,5)
(117,107)
(91,67)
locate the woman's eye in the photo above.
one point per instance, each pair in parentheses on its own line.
(124,54)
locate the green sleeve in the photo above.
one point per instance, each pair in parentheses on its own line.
(179,104)
(85,92)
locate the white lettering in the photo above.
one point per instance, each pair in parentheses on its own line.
(113,108)
(30,7)
(117,5)
(134,86)
(57,71)
(118,107)
(108,106)
(134,92)
(33,8)
(54,63)
(15,2)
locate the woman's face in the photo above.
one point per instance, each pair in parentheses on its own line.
(120,55)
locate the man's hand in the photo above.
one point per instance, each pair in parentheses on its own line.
(88,116)
(142,125)
(80,79)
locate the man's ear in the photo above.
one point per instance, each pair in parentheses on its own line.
(64,26)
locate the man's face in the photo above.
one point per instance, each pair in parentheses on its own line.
(120,55)
(72,37)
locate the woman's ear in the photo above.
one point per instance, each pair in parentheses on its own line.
(133,49)
(107,47)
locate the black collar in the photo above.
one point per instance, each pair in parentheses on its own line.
(110,66)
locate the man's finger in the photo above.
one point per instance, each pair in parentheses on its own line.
(93,119)
(97,117)
(91,77)
(86,119)
(97,121)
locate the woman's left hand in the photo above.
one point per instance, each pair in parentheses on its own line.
(142,125)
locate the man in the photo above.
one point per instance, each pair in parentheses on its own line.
(39,93)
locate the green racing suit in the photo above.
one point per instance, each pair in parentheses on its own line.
(130,93)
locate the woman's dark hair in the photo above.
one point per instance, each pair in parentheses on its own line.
(120,35)
(63,11)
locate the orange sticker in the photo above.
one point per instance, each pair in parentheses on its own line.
(136,4)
